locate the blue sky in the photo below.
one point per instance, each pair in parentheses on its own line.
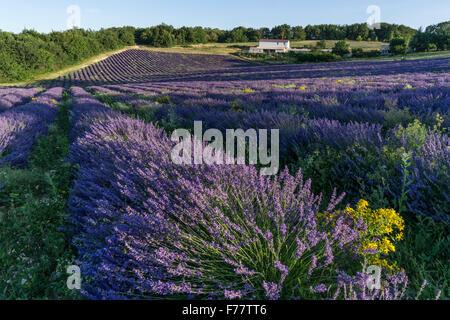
(48,15)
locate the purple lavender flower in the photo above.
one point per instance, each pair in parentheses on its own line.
(272,290)
(321,288)
(232,295)
(283,269)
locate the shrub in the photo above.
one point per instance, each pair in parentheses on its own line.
(384,228)
(341,48)
(359,53)
(163,99)
(398,46)
(316,57)
(322,44)
(431,47)
(34,251)
(10,68)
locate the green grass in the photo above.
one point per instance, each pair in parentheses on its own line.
(424,256)
(34,252)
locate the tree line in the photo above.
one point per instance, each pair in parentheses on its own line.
(29,53)
(166,36)
(434,37)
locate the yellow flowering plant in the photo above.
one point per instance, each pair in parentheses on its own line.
(384,228)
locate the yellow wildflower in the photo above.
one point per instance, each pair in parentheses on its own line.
(384,226)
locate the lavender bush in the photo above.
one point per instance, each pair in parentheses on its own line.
(16,96)
(21,127)
(146,227)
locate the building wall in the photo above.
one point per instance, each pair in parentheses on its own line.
(256,50)
(274,45)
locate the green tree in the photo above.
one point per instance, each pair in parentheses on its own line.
(322,44)
(237,35)
(283,31)
(253,35)
(9,67)
(298,33)
(341,48)
(398,46)
(312,32)
(126,36)
(165,39)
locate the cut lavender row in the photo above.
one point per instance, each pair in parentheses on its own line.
(138,65)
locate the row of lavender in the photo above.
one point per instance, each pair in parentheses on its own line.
(11,97)
(137,66)
(147,228)
(22,127)
(142,65)
(356,133)
(379,99)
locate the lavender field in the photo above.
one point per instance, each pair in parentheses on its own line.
(363,179)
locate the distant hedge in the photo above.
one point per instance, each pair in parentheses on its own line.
(316,57)
(360,53)
(30,53)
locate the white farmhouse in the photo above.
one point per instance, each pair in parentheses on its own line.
(385,49)
(272,46)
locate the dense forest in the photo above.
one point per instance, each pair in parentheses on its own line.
(29,53)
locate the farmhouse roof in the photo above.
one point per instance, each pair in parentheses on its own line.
(273,40)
